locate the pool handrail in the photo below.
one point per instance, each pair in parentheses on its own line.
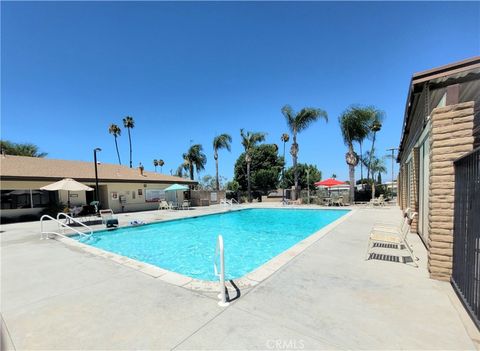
(70,218)
(219,251)
(60,224)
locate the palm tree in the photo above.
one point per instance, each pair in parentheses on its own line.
(352,125)
(195,158)
(116,132)
(20,149)
(182,168)
(161,163)
(221,141)
(363,131)
(249,140)
(377,166)
(155,164)
(297,122)
(376,118)
(284,138)
(129,123)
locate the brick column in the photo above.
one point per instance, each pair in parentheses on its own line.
(451,136)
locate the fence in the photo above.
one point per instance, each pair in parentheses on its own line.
(466,233)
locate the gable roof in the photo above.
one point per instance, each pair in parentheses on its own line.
(35,168)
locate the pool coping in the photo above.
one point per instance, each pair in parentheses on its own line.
(248,281)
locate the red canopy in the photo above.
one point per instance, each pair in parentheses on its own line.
(329,182)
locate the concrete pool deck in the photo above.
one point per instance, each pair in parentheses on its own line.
(55,296)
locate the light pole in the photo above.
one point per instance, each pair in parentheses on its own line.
(285,138)
(308,186)
(96,171)
(393,157)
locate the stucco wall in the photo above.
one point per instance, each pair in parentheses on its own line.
(451,137)
(132,204)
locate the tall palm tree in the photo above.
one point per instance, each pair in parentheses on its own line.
(129,123)
(221,141)
(353,125)
(155,164)
(376,118)
(297,122)
(161,163)
(249,140)
(116,132)
(195,158)
(377,166)
(284,138)
(363,131)
(183,167)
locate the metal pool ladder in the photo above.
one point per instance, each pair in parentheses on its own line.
(219,253)
(61,226)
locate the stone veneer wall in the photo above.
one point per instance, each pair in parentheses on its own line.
(451,137)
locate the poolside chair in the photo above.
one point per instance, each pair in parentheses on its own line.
(164,205)
(338,201)
(392,236)
(108,218)
(185,205)
(408,217)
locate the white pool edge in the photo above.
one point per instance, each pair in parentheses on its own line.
(246,282)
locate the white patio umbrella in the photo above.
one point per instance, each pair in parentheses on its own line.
(67,184)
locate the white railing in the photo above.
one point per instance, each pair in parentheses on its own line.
(230,202)
(70,218)
(61,225)
(219,253)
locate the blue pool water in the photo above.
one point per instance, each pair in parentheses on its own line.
(187,246)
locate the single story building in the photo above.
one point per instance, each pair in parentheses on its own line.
(120,188)
(441,124)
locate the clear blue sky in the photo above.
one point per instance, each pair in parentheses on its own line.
(186,71)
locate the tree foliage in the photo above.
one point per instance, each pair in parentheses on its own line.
(265,168)
(21,149)
(315,175)
(208,182)
(194,158)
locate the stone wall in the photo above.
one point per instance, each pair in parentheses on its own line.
(451,137)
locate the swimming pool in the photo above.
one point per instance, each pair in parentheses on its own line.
(187,246)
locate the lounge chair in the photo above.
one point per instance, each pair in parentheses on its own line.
(408,217)
(393,236)
(185,205)
(108,218)
(379,201)
(164,205)
(338,201)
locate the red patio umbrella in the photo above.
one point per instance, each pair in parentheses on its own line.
(329,182)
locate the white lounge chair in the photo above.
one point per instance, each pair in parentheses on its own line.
(164,205)
(393,236)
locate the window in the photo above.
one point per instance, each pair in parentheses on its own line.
(25,198)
